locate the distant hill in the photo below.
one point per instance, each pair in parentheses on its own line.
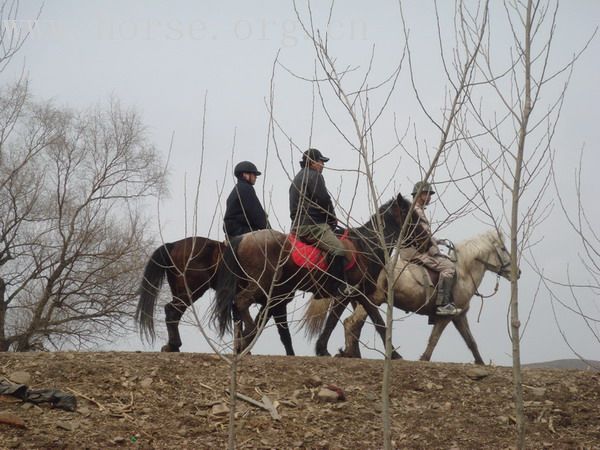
(565,364)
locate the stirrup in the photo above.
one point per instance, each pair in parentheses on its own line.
(448,310)
(347,290)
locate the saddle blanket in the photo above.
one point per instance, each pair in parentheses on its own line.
(310,257)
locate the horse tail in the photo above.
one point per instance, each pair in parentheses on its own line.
(154,274)
(226,287)
(315,316)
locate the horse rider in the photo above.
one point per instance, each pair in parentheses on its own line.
(433,258)
(314,219)
(244,212)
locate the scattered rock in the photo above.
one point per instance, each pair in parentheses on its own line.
(20,377)
(84,411)
(146,382)
(537,391)
(118,440)
(477,373)
(220,409)
(341,394)
(433,386)
(12,419)
(69,426)
(327,395)
(314,381)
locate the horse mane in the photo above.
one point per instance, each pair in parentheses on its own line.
(474,247)
(370,227)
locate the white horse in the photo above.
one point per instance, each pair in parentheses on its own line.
(414,293)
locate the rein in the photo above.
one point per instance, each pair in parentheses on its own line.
(480,295)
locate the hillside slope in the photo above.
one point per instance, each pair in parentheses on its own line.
(155,400)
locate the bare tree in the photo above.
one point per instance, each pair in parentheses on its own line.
(73,236)
(516,124)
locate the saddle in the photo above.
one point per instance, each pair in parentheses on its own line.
(430,276)
(309,257)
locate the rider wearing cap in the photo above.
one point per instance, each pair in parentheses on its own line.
(244,212)
(313,216)
(433,258)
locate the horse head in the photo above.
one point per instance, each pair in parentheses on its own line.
(498,260)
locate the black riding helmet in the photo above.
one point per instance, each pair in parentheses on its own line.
(245,167)
(314,155)
(422,186)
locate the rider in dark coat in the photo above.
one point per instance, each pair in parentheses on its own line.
(313,217)
(244,212)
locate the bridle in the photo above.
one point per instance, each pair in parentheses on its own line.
(492,268)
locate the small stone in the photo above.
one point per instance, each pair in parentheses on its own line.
(69,426)
(327,395)
(538,391)
(118,440)
(84,411)
(477,373)
(146,382)
(12,420)
(20,377)
(314,381)
(220,409)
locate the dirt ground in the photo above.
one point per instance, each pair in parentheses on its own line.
(151,400)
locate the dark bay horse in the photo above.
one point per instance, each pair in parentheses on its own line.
(474,257)
(260,270)
(191,266)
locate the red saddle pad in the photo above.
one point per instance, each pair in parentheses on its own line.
(310,257)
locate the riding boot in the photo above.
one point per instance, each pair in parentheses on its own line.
(444,304)
(336,282)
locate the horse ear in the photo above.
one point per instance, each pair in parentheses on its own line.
(402,202)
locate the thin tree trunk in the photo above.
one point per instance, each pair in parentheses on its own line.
(232,399)
(4,345)
(516,193)
(387,366)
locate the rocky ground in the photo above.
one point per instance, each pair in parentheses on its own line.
(152,400)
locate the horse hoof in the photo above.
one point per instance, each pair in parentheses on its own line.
(323,353)
(396,355)
(169,349)
(344,354)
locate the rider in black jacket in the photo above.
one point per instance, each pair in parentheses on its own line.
(244,212)
(313,217)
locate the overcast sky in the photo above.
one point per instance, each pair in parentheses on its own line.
(163,58)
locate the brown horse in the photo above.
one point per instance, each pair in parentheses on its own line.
(191,266)
(473,258)
(260,270)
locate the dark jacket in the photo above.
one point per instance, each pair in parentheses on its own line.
(310,203)
(243,212)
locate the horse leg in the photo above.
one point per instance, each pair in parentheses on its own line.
(247,331)
(279,313)
(352,328)
(334,315)
(378,323)
(434,337)
(462,325)
(173,313)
